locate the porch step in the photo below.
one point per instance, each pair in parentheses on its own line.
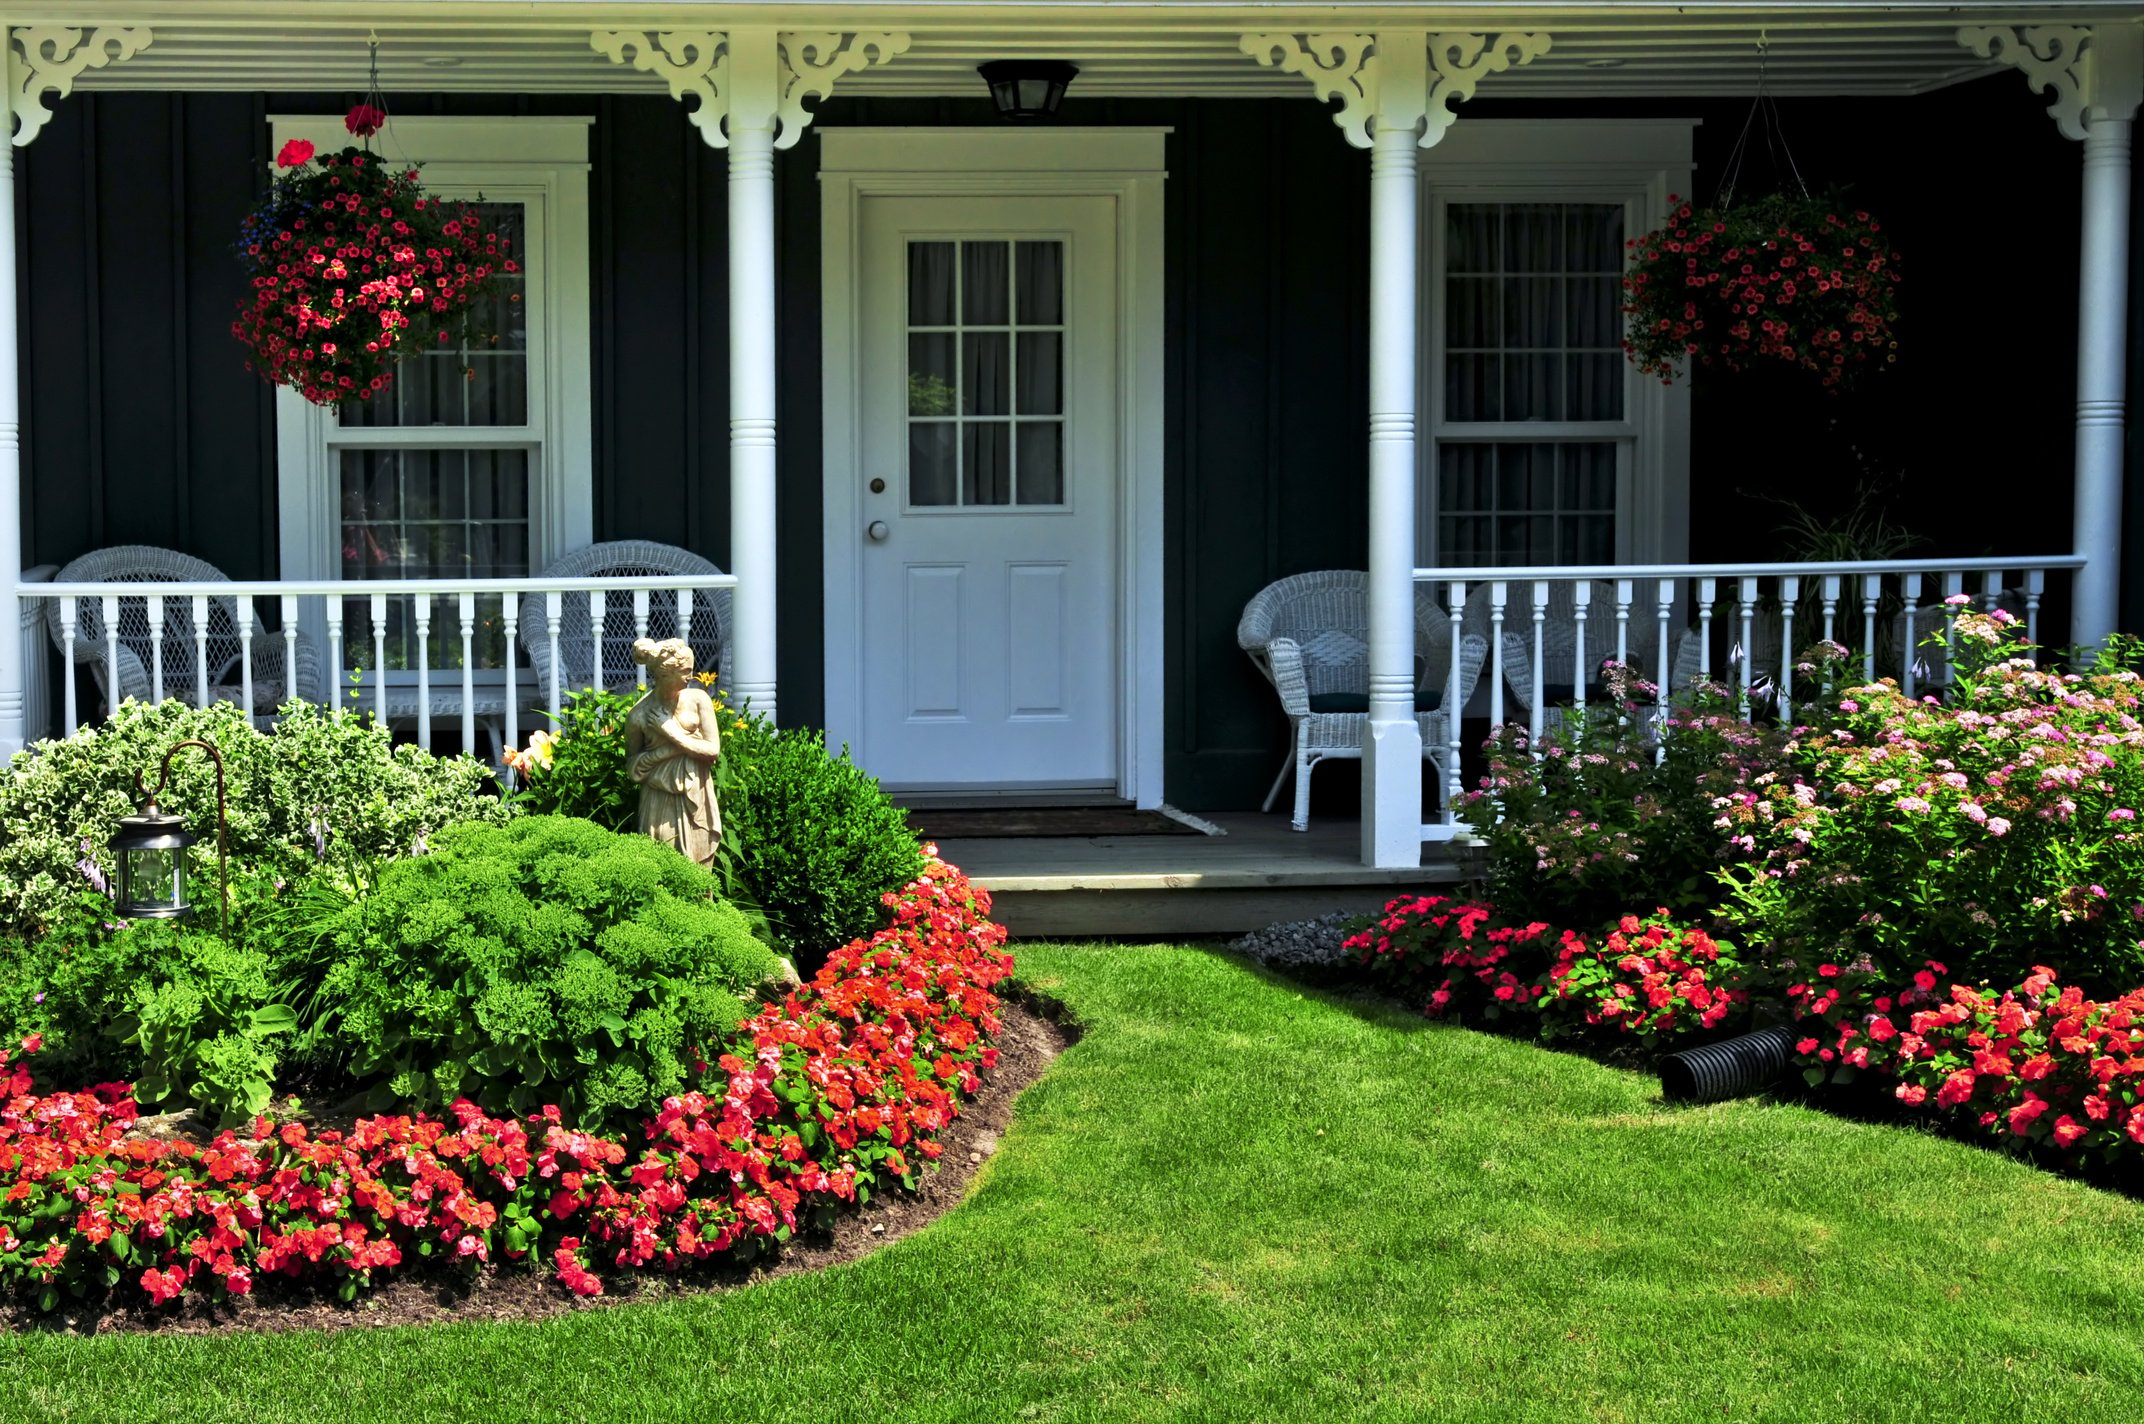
(1258,874)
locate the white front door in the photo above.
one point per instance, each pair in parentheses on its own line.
(987,390)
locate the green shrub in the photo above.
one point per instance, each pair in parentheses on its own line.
(184,1016)
(548,960)
(577,767)
(320,778)
(818,840)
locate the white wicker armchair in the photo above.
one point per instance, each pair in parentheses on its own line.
(147,564)
(1310,636)
(709,633)
(1559,644)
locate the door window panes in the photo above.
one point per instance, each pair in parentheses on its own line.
(986,384)
(1526,502)
(1532,312)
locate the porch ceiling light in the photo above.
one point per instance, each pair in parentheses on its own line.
(1027,89)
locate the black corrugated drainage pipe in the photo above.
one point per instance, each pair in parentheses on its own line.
(1732,1068)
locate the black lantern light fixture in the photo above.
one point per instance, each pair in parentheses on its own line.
(1027,89)
(151,848)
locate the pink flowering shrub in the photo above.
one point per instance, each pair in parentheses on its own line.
(1652,978)
(1597,822)
(844,1084)
(1994,828)
(2040,1063)
(1454,956)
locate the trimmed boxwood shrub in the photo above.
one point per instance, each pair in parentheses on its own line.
(545,961)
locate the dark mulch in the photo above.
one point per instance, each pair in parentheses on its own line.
(1030,1040)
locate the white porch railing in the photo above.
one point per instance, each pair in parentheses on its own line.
(1748,621)
(529,616)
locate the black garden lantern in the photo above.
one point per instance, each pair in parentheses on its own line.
(1027,89)
(151,849)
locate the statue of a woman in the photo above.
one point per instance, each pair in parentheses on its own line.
(671,743)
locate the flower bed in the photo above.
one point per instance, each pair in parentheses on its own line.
(817,1099)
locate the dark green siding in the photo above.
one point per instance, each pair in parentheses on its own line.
(142,424)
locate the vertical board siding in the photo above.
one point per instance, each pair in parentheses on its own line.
(141,422)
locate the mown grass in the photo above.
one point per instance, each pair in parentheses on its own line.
(1236,1199)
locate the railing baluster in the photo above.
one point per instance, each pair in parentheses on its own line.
(2035,585)
(1660,698)
(243,609)
(1953,585)
(510,618)
(1909,679)
(379,658)
(1748,591)
(1624,591)
(468,615)
(1708,591)
(424,670)
(598,614)
(553,606)
(1871,595)
(335,610)
(640,630)
(1537,714)
(156,649)
(1456,601)
(1790,592)
(68,616)
(1832,587)
(111,653)
(1991,590)
(1581,599)
(290,650)
(1497,591)
(200,616)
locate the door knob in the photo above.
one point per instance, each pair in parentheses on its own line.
(878,530)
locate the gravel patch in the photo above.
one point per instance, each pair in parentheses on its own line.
(1300,944)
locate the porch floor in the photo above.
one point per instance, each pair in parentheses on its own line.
(1259,873)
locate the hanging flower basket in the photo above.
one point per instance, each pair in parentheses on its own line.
(353,268)
(1787,278)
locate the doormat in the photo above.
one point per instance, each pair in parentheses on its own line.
(985,823)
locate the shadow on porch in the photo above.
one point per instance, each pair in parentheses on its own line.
(1259,873)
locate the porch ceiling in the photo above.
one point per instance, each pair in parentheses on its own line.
(1128,49)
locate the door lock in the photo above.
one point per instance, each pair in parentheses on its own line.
(878,531)
(878,486)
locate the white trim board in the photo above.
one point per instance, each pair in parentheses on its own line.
(1125,164)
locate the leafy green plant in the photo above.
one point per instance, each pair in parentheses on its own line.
(549,960)
(320,780)
(817,839)
(577,767)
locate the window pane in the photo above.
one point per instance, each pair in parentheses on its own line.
(1525,502)
(932,381)
(1042,390)
(431,513)
(1472,237)
(930,284)
(933,468)
(986,463)
(1473,387)
(1532,311)
(1042,284)
(986,382)
(985,297)
(1042,470)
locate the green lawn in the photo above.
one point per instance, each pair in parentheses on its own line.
(1237,1200)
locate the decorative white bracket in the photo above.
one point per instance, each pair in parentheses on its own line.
(2088,72)
(49,58)
(749,78)
(1394,78)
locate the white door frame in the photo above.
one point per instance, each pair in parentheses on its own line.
(1124,164)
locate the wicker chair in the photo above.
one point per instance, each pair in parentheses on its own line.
(146,564)
(626,558)
(1559,644)
(1310,636)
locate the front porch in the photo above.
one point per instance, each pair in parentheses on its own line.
(708,290)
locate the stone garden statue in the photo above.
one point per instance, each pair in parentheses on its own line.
(671,743)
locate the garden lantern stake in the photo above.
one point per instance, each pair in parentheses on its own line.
(151,846)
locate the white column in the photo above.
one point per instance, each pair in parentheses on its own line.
(11,649)
(2102,376)
(1392,750)
(752,448)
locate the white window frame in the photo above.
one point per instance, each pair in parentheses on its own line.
(541,163)
(1633,162)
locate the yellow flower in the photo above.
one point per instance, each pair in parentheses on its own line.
(705,679)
